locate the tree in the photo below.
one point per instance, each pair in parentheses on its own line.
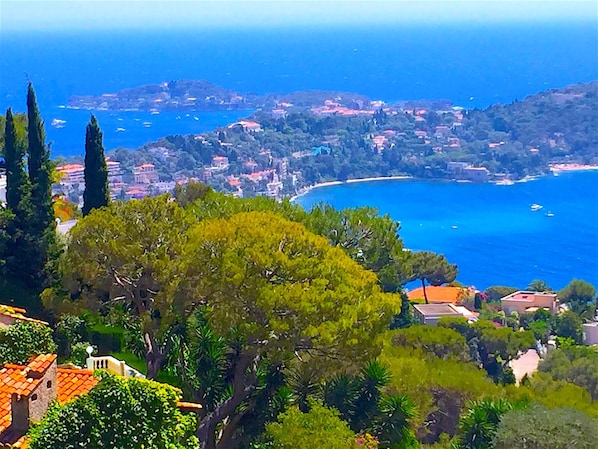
(478,425)
(24,339)
(368,238)
(569,325)
(14,155)
(40,168)
(17,242)
(540,428)
(575,364)
(97,193)
(125,256)
(538,285)
(496,292)
(320,427)
(580,296)
(282,295)
(121,413)
(432,267)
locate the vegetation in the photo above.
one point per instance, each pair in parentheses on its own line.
(97,193)
(118,412)
(23,340)
(541,428)
(319,427)
(433,268)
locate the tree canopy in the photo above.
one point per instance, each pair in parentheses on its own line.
(433,268)
(97,193)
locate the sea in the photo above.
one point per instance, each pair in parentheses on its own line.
(488,230)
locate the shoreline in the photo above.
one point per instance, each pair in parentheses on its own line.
(306,190)
(555,169)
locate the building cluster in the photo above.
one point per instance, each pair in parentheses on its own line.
(26,391)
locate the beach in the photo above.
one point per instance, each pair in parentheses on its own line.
(572,167)
(306,190)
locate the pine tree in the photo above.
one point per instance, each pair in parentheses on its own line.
(96,192)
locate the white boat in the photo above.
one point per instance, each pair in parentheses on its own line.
(535,207)
(549,214)
(120,130)
(57,123)
(147,124)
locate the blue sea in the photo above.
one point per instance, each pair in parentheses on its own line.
(488,230)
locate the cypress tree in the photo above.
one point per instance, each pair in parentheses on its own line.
(17,247)
(39,169)
(96,192)
(14,154)
(41,227)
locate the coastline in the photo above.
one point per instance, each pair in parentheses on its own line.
(556,168)
(306,190)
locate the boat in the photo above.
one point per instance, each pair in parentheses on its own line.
(195,117)
(57,123)
(535,207)
(120,130)
(549,214)
(147,124)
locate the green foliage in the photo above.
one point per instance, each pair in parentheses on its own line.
(118,413)
(575,364)
(433,268)
(478,425)
(192,192)
(580,296)
(320,427)
(97,193)
(271,281)
(542,388)
(540,428)
(444,343)
(368,238)
(568,325)
(496,292)
(24,339)
(125,257)
(72,337)
(538,285)
(41,225)
(443,386)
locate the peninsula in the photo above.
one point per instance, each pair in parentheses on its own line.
(298,140)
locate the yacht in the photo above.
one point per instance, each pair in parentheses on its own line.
(535,207)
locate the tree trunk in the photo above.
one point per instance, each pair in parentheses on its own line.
(425,293)
(243,386)
(154,357)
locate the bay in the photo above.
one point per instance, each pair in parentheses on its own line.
(489,230)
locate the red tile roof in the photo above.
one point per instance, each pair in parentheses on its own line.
(74,382)
(17,313)
(439,295)
(23,379)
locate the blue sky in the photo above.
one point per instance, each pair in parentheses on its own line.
(87,14)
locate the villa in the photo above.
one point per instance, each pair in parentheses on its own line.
(526,301)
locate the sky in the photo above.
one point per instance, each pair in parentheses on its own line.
(117,14)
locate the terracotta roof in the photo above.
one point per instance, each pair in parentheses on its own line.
(23,379)
(74,382)
(18,314)
(439,295)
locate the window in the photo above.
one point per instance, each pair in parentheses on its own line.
(34,397)
(49,384)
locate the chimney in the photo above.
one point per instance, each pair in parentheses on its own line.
(19,410)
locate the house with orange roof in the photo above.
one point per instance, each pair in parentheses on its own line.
(26,391)
(10,315)
(443,294)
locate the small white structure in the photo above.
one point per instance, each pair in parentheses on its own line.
(111,364)
(590,333)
